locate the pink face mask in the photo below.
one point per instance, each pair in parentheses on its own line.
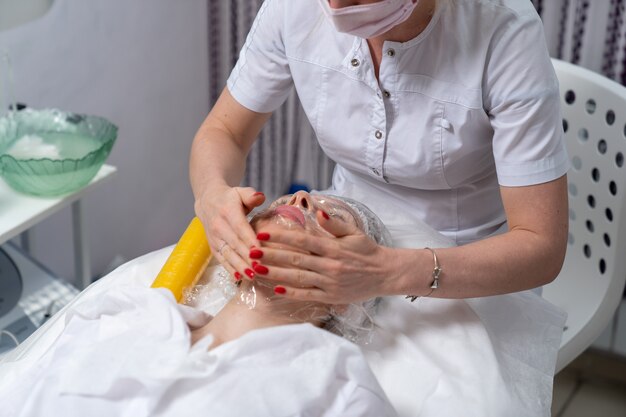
(369,20)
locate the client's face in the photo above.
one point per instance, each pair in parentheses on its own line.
(298,212)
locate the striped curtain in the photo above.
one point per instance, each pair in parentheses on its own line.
(286,151)
(588,33)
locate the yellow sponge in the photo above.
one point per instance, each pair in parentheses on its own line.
(187,262)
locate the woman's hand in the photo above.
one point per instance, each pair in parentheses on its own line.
(341,270)
(216,163)
(230,236)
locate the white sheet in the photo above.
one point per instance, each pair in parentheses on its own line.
(485,357)
(128,353)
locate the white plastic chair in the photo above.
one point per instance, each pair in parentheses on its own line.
(591,283)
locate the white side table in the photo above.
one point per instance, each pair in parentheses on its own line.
(19,212)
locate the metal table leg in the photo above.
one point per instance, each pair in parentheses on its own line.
(82,262)
(25,241)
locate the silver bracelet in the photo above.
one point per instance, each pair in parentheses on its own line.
(435,275)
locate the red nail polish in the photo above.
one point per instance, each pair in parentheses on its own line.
(325,215)
(260,269)
(237,276)
(280,290)
(257,193)
(254,263)
(256,254)
(263,236)
(249,273)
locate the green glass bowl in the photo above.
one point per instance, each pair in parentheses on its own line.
(50,152)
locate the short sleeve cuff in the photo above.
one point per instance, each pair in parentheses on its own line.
(240,94)
(534,172)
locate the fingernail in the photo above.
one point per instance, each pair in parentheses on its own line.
(237,276)
(280,290)
(256,254)
(325,215)
(257,193)
(263,236)
(260,269)
(254,263)
(249,273)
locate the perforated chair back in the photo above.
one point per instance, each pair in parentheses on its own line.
(591,283)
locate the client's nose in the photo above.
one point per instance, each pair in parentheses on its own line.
(303,200)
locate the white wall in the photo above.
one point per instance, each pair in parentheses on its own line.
(143,65)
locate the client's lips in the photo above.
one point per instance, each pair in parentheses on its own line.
(292,213)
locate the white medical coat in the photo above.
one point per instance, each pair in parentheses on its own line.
(470,104)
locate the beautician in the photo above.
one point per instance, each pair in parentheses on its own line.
(447,110)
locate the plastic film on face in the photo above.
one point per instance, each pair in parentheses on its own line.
(353,322)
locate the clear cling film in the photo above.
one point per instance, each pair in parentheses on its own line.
(354,322)
(370,223)
(343,208)
(298,212)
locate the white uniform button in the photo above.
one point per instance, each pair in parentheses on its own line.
(391,52)
(355,62)
(445,123)
(387,94)
(378,134)
(375,171)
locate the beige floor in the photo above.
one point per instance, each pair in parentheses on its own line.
(594,385)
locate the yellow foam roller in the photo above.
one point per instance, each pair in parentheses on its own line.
(187,262)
